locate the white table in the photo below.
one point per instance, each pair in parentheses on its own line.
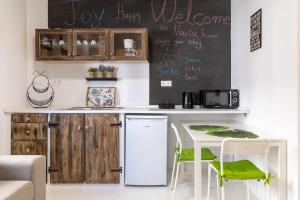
(201,139)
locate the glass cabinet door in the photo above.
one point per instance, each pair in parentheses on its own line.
(129,44)
(55,44)
(90,44)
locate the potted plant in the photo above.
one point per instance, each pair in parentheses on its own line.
(92,72)
(101,71)
(109,72)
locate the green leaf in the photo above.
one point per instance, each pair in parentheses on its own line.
(235,133)
(208,127)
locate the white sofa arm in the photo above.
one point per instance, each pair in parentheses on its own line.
(29,168)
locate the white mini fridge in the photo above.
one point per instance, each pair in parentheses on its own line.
(146,150)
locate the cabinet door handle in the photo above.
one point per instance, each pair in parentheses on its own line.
(52,170)
(87,127)
(28,131)
(50,124)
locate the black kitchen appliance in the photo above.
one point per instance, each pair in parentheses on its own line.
(187,100)
(166,105)
(228,99)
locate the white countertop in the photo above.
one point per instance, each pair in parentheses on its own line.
(128,110)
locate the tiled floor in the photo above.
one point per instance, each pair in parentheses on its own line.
(234,191)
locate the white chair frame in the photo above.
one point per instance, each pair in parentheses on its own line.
(176,165)
(240,147)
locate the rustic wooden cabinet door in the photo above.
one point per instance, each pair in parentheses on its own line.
(102,148)
(29,131)
(67,148)
(29,148)
(29,118)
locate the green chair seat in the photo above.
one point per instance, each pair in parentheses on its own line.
(188,154)
(239,170)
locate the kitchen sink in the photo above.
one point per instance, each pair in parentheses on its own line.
(94,108)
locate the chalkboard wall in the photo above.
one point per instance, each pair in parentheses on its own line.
(190,40)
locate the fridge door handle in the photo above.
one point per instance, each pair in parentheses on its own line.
(117,124)
(120,170)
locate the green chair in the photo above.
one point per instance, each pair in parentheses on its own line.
(241,170)
(185,155)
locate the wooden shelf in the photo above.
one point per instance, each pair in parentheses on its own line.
(101,79)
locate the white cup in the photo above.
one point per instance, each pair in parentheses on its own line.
(45,41)
(93,42)
(61,42)
(54,42)
(130,52)
(128,43)
(85,42)
(78,42)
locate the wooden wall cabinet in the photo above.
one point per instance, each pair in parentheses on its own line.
(53,44)
(29,134)
(139,50)
(91,44)
(84,148)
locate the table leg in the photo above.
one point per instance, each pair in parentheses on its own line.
(198,171)
(282,164)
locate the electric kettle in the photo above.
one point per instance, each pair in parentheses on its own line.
(187,100)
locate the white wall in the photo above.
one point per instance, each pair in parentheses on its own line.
(12,63)
(132,88)
(268,77)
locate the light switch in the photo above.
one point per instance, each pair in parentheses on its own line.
(166,83)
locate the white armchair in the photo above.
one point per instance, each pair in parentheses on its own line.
(23,177)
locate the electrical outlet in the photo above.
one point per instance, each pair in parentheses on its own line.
(56,82)
(166,83)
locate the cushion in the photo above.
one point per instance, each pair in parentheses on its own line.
(239,170)
(16,190)
(188,154)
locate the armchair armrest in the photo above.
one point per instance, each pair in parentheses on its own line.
(28,168)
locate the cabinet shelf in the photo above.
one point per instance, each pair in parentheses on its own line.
(101,79)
